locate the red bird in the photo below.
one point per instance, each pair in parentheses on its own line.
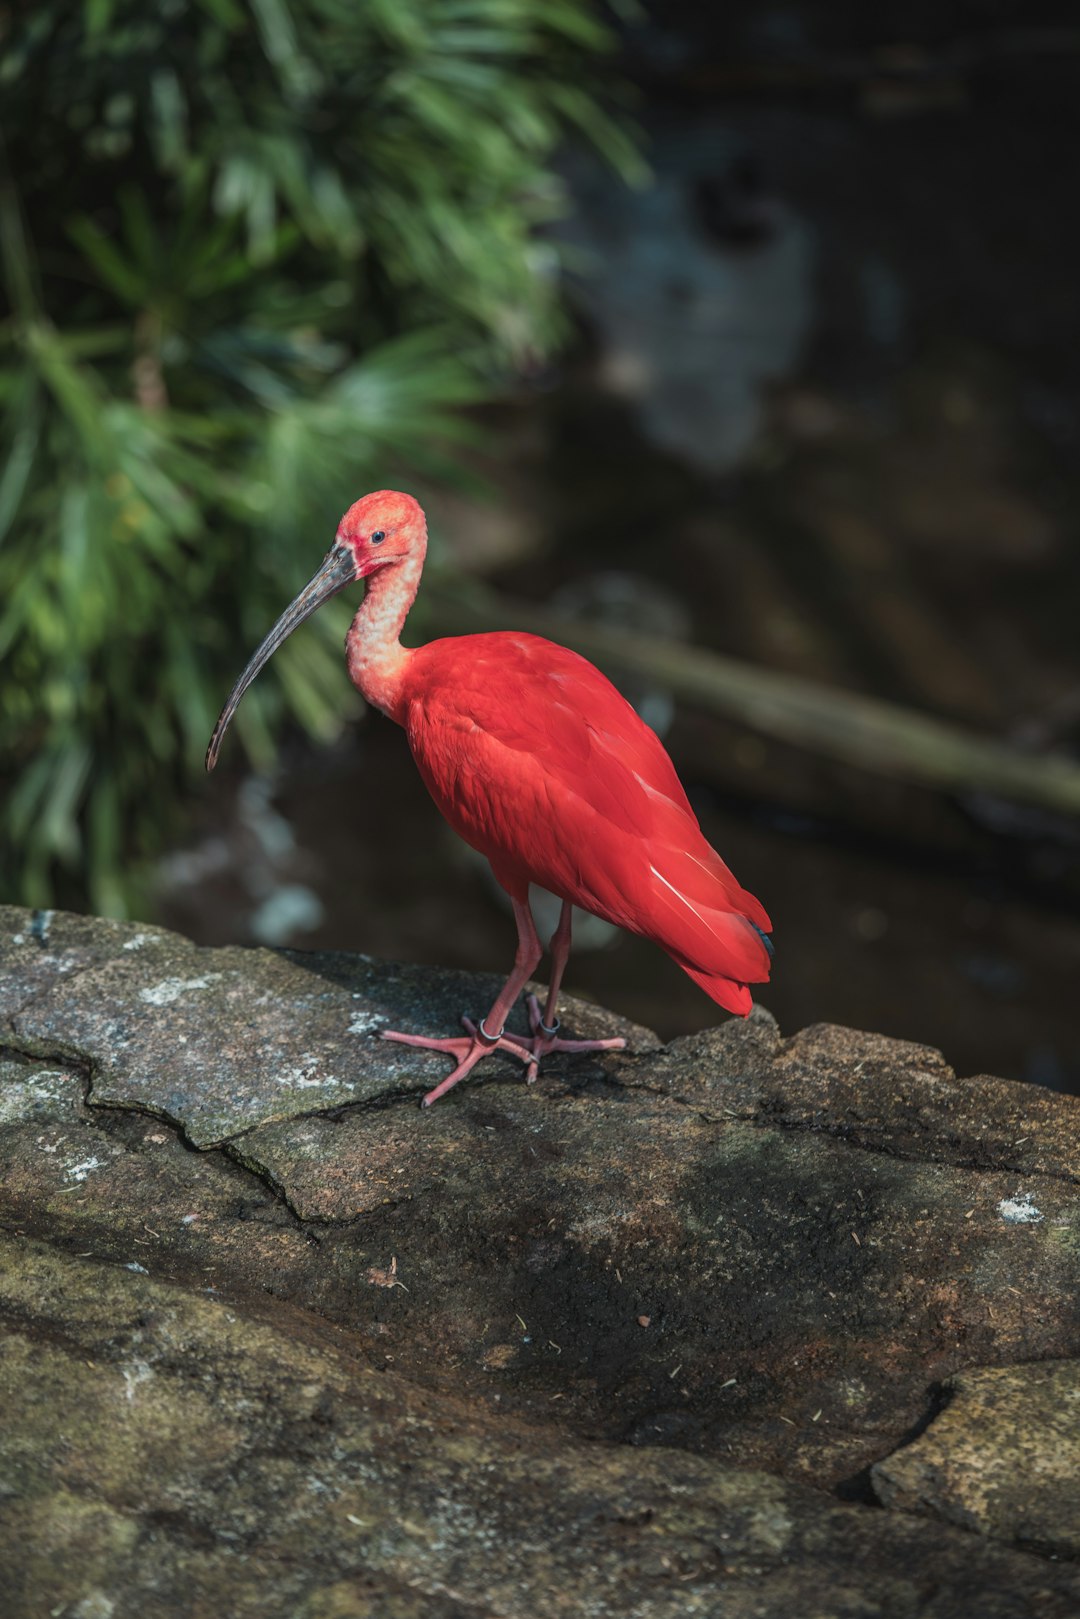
(539,763)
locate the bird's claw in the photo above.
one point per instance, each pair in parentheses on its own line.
(468,1049)
(545,1038)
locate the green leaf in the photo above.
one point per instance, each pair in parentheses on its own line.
(261,254)
(99,14)
(22,433)
(105,258)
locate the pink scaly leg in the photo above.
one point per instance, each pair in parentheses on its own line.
(545,1029)
(468,1049)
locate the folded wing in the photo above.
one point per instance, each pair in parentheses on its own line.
(538,761)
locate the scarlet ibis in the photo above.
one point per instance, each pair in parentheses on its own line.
(538,762)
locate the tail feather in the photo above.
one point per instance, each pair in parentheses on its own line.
(705,880)
(687,901)
(732,996)
(723,951)
(722,943)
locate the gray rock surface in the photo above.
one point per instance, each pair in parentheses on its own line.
(1003,1457)
(642,1339)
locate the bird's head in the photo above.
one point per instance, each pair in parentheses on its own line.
(377,532)
(382,529)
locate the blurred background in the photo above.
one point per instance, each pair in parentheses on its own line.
(736,346)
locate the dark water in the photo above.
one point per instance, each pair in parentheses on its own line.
(823,415)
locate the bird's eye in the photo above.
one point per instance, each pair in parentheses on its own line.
(378,537)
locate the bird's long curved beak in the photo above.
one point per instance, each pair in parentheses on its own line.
(338,570)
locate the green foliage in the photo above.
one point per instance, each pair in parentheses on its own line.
(258,255)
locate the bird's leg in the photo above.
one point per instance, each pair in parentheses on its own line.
(489,1034)
(545,1027)
(560,954)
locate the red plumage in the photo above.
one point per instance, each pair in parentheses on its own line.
(537,761)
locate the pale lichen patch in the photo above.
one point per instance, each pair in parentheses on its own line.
(171,989)
(38,1090)
(366,1022)
(305,1075)
(78,1172)
(1019,1210)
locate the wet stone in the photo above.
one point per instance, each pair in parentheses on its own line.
(688,1302)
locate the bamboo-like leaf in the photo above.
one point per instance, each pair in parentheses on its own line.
(22,432)
(99,14)
(58,821)
(119,274)
(105,819)
(226,13)
(171,121)
(238,211)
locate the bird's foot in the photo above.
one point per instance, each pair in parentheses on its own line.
(466,1049)
(544,1039)
(476,1043)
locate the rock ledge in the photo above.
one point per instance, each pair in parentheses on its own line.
(737,1326)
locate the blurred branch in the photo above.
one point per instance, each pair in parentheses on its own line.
(860,731)
(147,376)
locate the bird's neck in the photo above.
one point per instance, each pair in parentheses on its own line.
(377,660)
